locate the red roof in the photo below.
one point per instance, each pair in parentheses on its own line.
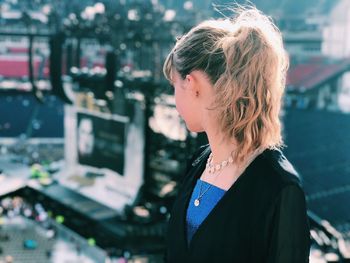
(17,68)
(18,50)
(315,73)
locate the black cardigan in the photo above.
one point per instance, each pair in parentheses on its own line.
(261,218)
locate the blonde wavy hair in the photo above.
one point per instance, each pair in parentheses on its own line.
(246,62)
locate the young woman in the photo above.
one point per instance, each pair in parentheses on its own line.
(240,200)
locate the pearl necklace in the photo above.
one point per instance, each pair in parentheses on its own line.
(217,167)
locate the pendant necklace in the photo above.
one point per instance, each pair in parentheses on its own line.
(212,168)
(200,195)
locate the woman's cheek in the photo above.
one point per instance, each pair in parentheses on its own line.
(178,103)
(178,108)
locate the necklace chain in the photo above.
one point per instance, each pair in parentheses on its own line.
(200,195)
(211,168)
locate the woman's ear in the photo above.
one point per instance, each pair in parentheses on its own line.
(192,84)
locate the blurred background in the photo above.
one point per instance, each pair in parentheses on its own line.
(92,148)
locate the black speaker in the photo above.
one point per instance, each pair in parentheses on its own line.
(69,57)
(111,67)
(56,47)
(36,92)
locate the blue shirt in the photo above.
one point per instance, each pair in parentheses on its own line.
(197,214)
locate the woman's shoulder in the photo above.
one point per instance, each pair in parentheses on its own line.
(273,168)
(273,159)
(278,182)
(280,168)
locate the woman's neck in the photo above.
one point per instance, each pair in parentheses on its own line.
(221,149)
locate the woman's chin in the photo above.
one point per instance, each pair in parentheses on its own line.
(194,128)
